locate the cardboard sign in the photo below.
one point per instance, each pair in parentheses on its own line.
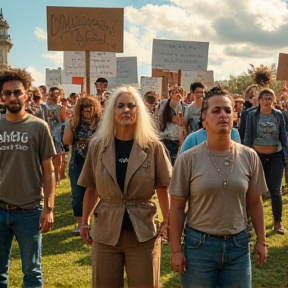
(151,84)
(102,64)
(188,77)
(80,29)
(53,77)
(282,69)
(169,78)
(127,72)
(180,55)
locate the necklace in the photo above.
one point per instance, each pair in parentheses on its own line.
(225,181)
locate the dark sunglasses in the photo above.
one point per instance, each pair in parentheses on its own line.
(16,93)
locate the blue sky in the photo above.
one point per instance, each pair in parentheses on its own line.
(238,32)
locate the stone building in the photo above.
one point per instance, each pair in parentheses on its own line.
(5,42)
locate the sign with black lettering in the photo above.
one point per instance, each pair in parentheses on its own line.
(85,28)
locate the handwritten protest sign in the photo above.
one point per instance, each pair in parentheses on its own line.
(282,69)
(53,77)
(151,84)
(188,77)
(102,64)
(80,29)
(180,55)
(127,72)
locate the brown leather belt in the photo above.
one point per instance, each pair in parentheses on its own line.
(7,206)
(225,237)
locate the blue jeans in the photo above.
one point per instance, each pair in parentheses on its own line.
(273,166)
(25,226)
(216,262)
(77,191)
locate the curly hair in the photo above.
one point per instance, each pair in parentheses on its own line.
(21,75)
(84,102)
(261,75)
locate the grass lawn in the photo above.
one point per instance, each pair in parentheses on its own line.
(66,260)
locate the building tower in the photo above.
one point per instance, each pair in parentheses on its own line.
(5,42)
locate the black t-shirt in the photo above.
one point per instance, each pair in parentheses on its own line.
(123,150)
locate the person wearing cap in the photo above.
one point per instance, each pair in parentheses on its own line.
(265,132)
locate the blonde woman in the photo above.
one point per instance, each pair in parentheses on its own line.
(125,164)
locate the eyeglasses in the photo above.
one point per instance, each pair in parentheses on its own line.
(16,93)
(267,98)
(238,102)
(88,110)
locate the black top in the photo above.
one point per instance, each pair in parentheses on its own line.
(123,150)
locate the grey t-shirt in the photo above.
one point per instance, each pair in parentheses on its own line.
(214,209)
(24,145)
(192,114)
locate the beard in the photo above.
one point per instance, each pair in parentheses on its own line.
(15,108)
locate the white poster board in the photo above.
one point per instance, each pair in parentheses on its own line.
(53,77)
(151,84)
(188,77)
(127,72)
(180,55)
(71,88)
(102,64)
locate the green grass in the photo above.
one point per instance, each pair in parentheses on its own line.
(66,259)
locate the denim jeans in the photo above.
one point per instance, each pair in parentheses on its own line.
(273,165)
(215,262)
(25,226)
(77,191)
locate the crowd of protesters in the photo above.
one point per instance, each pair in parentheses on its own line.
(122,146)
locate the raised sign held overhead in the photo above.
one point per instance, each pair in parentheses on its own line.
(79,29)
(180,55)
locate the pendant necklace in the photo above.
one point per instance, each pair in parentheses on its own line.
(227,162)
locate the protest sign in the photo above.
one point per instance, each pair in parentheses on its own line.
(102,64)
(85,28)
(53,77)
(180,55)
(169,78)
(127,72)
(282,69)
(188,77)
(151,84)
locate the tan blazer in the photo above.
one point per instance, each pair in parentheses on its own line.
(148,168)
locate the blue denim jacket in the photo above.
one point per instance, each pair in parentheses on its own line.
(251,129)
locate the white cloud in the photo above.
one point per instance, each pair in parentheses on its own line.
(39,78)
(238,32)
(40,33)
(55,57)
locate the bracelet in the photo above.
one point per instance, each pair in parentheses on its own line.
(84,226)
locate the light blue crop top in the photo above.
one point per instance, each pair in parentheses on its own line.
(267,131)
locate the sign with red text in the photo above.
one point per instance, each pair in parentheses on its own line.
(80,29)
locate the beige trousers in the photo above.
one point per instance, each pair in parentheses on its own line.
(108,262)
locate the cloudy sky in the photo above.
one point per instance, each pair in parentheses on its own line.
(239,32)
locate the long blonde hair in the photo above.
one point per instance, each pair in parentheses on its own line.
(144,130)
